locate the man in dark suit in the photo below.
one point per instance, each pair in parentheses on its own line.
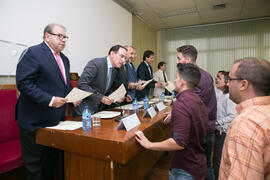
(133,81)
(122,78)
(42,78)
(97,78)
(145,73)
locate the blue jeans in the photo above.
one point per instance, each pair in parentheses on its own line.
(179,174)
(208,145)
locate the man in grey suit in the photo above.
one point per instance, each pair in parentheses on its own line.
(97,78)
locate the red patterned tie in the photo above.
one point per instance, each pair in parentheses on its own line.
(60,65)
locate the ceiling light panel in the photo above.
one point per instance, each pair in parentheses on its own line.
(166,6)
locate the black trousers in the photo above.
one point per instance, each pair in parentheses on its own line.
(39,161)
(219,142)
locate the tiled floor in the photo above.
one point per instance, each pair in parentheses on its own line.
(160,170)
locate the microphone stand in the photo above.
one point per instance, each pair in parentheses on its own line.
(121,115)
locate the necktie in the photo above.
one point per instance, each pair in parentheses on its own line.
(165,80)
(60,65)
(133,67)
(149,69)
(109,75)
(125,68)
(164,77)
(134,72)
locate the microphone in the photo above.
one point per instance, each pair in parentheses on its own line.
(121,115)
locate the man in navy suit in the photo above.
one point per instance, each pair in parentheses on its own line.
(133,80)
(145,73)
(42,78)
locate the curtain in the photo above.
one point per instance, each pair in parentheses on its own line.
(218,45)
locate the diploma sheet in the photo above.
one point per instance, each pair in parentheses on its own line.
(77,94)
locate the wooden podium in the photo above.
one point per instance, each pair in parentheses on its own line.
(104,152)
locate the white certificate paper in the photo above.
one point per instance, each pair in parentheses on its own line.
(77,94)
(107,114)
(170,87)
(118,93)
(144,83)
(67,125)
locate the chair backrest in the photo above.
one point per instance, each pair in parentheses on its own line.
(74,83)
(10,86)
(9,129)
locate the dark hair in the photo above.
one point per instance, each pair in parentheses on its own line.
(116,48)
(50,27)
(222,72)
(147,54)
(160,64)
(226,75)
(190,73)
(256,72)
(188,51)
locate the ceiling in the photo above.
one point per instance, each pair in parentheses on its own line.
(165,14)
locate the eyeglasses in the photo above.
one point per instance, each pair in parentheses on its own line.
(227,79)
(60,36)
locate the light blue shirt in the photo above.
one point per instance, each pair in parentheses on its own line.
(109,64)
(109,72)
(148,66)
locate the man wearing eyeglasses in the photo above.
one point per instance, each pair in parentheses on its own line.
(246,151)
(122,77)
(97,78)
(42,78)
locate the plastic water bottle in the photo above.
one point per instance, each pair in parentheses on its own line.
(162,96)
(145,103)
(86,119)
(135,105)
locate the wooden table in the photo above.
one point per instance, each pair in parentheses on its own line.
(104,152)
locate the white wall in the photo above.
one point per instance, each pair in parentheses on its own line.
(92,25)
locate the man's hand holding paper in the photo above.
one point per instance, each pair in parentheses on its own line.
(76,95)
(107,100)
(144,83)
(119,94)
